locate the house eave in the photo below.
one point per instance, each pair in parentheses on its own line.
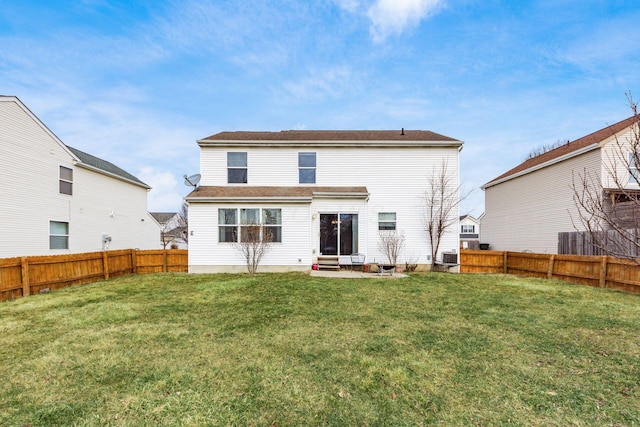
(197,199)
(328,144)
(340,195)
(559,159)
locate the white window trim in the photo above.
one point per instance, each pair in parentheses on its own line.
(239,224)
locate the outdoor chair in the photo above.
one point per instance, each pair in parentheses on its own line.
(357,259)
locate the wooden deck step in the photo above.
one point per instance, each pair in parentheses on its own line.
(328,263)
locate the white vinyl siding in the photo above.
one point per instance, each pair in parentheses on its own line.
(210,255)
(395,177)
(528,212)
(30,160)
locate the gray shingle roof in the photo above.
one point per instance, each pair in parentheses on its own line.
(105,166)
(569,147)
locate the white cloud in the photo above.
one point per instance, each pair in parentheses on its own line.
(348,5)
(333,82)
(166,192)
(390,17)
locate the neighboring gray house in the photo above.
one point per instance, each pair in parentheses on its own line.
(527,206)
(56,199)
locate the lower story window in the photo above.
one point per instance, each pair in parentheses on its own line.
(249,224)
(386,221)
(58,235)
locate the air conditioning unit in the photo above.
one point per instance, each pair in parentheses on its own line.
(449,258)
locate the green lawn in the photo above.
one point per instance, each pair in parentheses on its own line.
(289,349)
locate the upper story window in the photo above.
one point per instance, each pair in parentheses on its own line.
(634,168)
(237,167)
(58,235)
(307,168)
(66,180)
(467,229)
(386,221)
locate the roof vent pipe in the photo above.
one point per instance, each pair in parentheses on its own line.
(402,131)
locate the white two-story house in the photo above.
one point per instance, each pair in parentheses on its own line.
(56,199)
(320,193)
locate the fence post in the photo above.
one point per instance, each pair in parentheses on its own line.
(105,264)
(26,288)
(603,271)
(134,261)
(504,262)
(165,262)
(550,269)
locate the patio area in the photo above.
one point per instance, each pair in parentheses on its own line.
(350,274)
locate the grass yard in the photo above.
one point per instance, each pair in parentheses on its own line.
(289,349)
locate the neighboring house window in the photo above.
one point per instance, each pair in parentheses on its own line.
(231,225)
(237,167)
(468,229)
(227,225)
(386,221)
(307,168)
(634,168)
(66,180)
(58,235)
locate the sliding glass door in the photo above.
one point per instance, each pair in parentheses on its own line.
(338,234)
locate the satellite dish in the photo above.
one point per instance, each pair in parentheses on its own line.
(192,181)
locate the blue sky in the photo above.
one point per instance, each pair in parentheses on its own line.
(137,83)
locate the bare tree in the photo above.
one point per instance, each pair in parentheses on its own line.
(182,224)
(255,241)
(391,243)
(609,206)
(442,198)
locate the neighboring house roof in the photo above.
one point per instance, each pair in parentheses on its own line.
(85,159)
(471,217)
(567,150)
(299,193)
(94,162)
(330,137)
(163,217)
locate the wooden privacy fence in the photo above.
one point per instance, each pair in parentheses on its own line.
(600,242)
(599,271)
(24,276)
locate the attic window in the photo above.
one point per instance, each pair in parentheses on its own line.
(66,180)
